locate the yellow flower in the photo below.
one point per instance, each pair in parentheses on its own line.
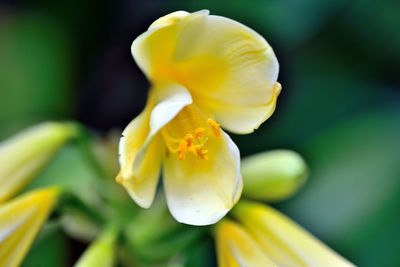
(25,154)
(206,72)
(20,221)
(264,237)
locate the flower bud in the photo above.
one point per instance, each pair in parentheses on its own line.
(273,175)
(25,154)
(281,239)
(101,252)
(20,222)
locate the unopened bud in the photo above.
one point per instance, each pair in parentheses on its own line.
(273,175)
(101,252)
(25,154)
(20,221)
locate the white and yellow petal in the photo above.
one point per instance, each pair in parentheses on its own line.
(141,187)
(235,247)
(25,154)
(20,221)
(141,149)
(224,64)
(283,240)
(200,190)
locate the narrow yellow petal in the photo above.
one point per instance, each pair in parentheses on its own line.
(283,240)
(20,221)
(24,155)
(235,247)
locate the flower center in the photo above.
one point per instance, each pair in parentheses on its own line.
(180,138)
(193,144)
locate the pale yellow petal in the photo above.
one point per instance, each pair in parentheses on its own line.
(20,221)
(24,155)
(239,119)
(283,240)
(224,64)
(201,191)
(142,188)
(133,137)
(141,150)
(153,49)
(171,98)
(225,60)
(142,184)
(235,247)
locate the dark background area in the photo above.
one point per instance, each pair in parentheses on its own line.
(339,106)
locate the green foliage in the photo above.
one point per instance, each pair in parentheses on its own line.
(354,185)
(35,71)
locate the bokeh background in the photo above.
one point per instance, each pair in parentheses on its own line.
(339,107)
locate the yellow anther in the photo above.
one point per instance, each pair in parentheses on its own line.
(215,127)
(182,149)
(201,152)
(192,150)
(189,139)
(199,132)
(194,144)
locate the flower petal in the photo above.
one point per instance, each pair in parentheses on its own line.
(201,192)
(133,137)
(141,150)
(240,119)
(20,221)
(171,99)
(235,247)
(224,64)
(142,185)
(283,240)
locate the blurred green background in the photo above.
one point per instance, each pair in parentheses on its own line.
(339,107)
